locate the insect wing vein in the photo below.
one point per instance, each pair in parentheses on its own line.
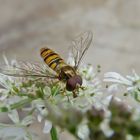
(27,70)
(80,45)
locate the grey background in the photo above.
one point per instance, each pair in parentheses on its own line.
(26,26)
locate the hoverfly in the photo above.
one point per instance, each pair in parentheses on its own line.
(61,70)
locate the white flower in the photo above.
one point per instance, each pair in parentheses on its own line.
(130,82)
(42,114)
(116,78)
(91,82)
(113,89)
(47,127)
(13,115)
(105,127)
(39,118)
(3,94)
(28,120)
(47,91)
(83,131)
(87,71)
(9,132)
(40,108)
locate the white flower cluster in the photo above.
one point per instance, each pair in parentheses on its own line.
(86,96)
(128,84)
(35,96)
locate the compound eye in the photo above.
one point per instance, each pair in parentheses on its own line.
(71,84)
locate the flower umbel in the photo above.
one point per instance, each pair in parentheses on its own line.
(92,115)
(30,94)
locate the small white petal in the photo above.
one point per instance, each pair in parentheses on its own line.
(106,100)
(47,127)
(4,94)
(27,120)
(113,88)
(83,131)
(118,99)
(115,77)
(131,78)
(112,74)
(130,88)
(47,90)
(129,83)
(106,129)
(39,118)
(13,115)
(13,99)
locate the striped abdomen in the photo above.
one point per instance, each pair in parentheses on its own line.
(52,59)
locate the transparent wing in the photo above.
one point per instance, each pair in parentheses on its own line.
(27,69)
(80,45)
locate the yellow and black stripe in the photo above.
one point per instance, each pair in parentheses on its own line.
(51,58)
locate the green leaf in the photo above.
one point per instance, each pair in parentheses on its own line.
(55,90)
(137,96)
(54,133)
(4,109)
(40,93)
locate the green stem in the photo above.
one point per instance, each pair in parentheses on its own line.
(53,133)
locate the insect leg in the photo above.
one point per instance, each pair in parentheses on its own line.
(74,94)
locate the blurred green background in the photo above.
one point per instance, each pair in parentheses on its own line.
(26,26)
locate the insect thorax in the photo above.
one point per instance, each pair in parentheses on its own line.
(66,72)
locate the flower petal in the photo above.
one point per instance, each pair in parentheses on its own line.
(13,115)
(47,126)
